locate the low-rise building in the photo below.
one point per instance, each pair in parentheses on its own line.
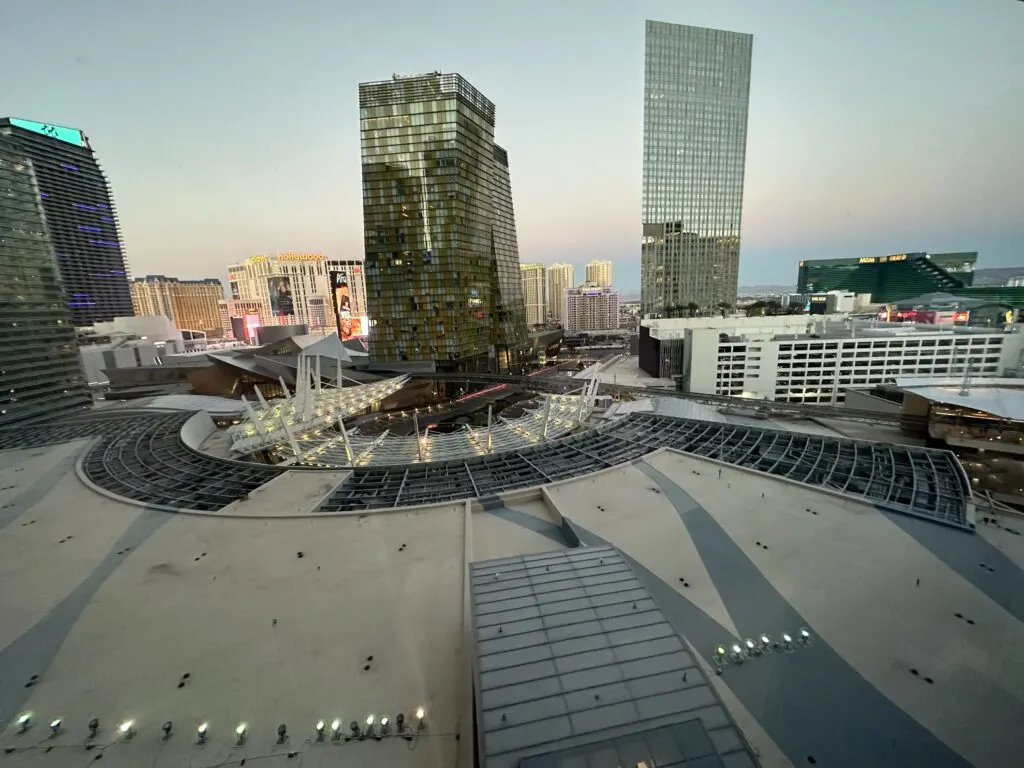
(796,360)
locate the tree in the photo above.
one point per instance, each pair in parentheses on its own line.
(692,307)
(725,307)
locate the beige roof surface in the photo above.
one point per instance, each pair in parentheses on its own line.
(111,604)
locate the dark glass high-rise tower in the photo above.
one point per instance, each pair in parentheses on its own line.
(696,89)
(442,263)
(40,371)
(80,217)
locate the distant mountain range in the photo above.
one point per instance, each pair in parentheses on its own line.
(755,290)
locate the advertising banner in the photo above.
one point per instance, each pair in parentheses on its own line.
(281,302)
(342,301)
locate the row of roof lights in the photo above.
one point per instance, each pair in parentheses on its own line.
(375,727)
(737,653)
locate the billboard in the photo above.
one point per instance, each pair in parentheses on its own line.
(348,326)
(281,302)
(252,324)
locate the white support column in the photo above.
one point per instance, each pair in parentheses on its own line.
(339,380)
(291,438)
(319,379)
(426,444)
(300,392)
(253,416)
(547,415)
(416,428)
(284,388)
(490,422)
(259,396)
(344,437)
(581,410)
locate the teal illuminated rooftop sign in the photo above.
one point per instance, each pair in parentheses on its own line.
(70,135)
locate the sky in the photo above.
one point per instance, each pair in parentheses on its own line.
(231,127)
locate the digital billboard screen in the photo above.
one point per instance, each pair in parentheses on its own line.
(281,302)
(348,326)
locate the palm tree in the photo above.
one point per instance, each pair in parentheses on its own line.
(692,308)
(724,306)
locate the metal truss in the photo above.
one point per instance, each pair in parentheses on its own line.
(147,461)
(917,481)
(142,457)
(327,447)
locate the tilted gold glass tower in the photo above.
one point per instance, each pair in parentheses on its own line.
(696,89)
(442,263)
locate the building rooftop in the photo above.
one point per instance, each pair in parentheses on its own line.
(1001,402)
(268,611)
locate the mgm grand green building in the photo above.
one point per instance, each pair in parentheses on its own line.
(889,278)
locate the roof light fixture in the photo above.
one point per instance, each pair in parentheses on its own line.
(94,728)
(167,728)
(421,718)
(127,729)
(240,731)
(385,725)
(400,722)
(24,721)
(55,726)
(282,733)
(320,727)
(201,733)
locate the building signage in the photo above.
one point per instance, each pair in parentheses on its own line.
(261,259)
(897,257)
(818,299)
(292,256)
(867,260)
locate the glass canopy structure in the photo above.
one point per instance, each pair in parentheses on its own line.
(326,447)
(312,409)
(142,457)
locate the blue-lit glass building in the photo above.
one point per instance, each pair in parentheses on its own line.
(80,218)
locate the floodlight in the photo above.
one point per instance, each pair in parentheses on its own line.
(127,729)
(55,726)
(240,732)
(24,722)
(400,722)
(201,732)
(786,638)
(94,727)
(737,649)
(369,719)
(421,716)
(385,724)
(319,728)
(336,729)
(750,644)
(282,733)
(805,634)
(167,728)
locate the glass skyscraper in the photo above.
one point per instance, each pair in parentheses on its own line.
(40,371)
(80,217)
(696,89)
(442,263)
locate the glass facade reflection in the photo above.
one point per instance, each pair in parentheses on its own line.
(442,263)
(696,89)
(40,371)
(80,218)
